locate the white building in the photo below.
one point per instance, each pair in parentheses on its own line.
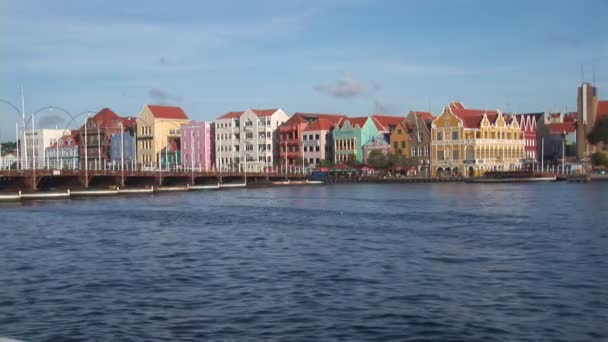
(248,141)
(42,138)
(7,160)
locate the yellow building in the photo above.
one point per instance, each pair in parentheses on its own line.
(472,141)
(156,127)
(399,139)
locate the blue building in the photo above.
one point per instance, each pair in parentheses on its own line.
(128,141)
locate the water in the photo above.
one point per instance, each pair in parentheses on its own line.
(440,262)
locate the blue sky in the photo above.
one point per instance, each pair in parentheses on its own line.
(353,57)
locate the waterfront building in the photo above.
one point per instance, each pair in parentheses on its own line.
(197,145)
(64,153)
(420,139)
(353,133)
(304,138)
(122,147)
(400,139)
(472,141)
(557,139)
(377,143)
(37,143)
(318,141)
(248,140)
(8,161)
(589,111)
(97,136)
(170,155)
(349,137)
(528,125)
(157,126)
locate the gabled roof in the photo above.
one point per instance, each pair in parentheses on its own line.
(358,121)
(69,140)
(264,112)
(602,109)
(167,112)
(386,122)
(230,115)
(471,118)
(322,125)
(105,118)
(423,115)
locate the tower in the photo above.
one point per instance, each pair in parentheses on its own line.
(586,113)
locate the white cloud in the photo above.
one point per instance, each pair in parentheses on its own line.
(345,87)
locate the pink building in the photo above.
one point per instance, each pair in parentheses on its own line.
(527,122)
(197,145)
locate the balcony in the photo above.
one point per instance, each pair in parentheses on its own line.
(312,143)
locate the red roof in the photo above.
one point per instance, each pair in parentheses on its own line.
(423,115)
(230,115)
(167,112)
(566,127)
(359,121)
(321,125)
(264,112)
(602,109)
(570,117)
(68,140)
(471,118)
(385,122)
(105,118)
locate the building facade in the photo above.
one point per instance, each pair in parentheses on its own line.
(349,138)
(37,143)
(197,145)
(64,153)
(157,127)
(400,139)
(96,137)
(302,147)
(378,143)
(420,139)
(528,125)
(8,161)
(122,147)
(471,141)
(248,140)
(317,139)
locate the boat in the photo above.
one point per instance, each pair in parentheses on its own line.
(511,177)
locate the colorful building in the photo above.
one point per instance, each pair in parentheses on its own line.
(472,141)
(350,136)
(248,140)
(64,153)
(197,145)
(170,155)
(157,126)
(420,139)
(528,125)
(97,136)
(122,147)
(302,146)
(36,145)
(318,141)
(400,139)
(378,143)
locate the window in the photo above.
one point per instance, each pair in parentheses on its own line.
(398,131)
(455,155)
(305,137)
(317,148)
(455,135)
(396,144)
(403,144)
(440,155)
(317,136)
(439,136)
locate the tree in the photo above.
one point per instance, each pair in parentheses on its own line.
(352,160)
(325,163)
(599,133)
(377,159)
(599,159)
